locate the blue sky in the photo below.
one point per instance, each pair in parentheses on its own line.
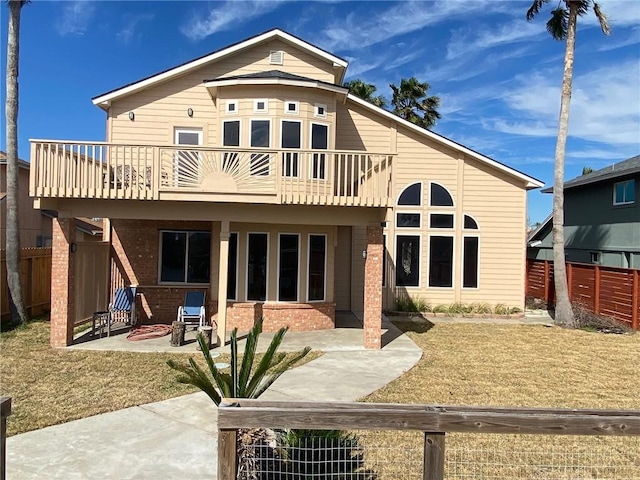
(498,76)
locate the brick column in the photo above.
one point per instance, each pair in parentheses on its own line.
(63,266)
(373,288)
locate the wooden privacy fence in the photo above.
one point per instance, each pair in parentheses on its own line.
(432,422)
(35,266)
(91,279)
(610,291)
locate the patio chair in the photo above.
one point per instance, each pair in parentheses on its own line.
(193,310)
(123,308)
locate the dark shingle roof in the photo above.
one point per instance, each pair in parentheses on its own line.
(620,169)
(276,74)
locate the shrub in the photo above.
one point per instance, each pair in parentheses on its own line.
(405,303)
(481,308)
(585,319)
(441,309)
(501,309)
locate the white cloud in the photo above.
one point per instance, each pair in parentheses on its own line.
(76,17)
(130,28)
(596,153)
(621,13)
(225,16)
(470,45)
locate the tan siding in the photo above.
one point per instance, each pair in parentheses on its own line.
(343,269)
(358,244)
(359,130)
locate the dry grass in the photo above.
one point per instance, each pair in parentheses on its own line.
(515,365)
(55,386)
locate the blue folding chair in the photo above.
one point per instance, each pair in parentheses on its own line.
(123,307)
(193,310)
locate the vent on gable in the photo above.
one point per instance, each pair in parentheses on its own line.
(276,57)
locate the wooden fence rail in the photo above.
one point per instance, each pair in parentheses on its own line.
(610,291)
(35,265)
(435,421)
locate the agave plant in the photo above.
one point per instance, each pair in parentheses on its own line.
(245,379)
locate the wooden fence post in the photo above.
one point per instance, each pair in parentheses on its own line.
(5,411)
(635,289)
(433,467)
(527,267)
(227,454)
(546,281)
(569,279)
(596,289)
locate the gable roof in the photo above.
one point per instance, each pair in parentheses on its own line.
(617,170)
(104,99)
(21,163)
(530,182)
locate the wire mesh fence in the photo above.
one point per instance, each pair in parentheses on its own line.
(398,455)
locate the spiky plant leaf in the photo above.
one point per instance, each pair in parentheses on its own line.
(558,24)
(249,356)
(602,18)
(534,9)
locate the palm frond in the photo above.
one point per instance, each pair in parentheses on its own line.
(223,385)
(266,362)
(249,356)
(234,364)
(602,18)
(558,24)
(279,371)
(534,9)
(194,375)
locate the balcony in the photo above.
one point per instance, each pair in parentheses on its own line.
(84,170)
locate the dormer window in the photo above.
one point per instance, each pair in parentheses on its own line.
(276,57)
(291,107)
(231,107)
(320,110)
(261,105)
(624,193)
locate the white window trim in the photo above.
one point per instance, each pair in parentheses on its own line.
(178,130)
(300,155)
(598,256)
(624,182)
(237,266)
(408,229)
(266,105)
(402,191)
(326,255)
(297,300)
(472,218)
(448,191)
(239,120)
(310,164)
(477,287)
(286,109)
(441,229)
(316,109)
(231,102)
(441,233)
(246,279)
(420,259)
(291,120)
(251,120)
(186,256)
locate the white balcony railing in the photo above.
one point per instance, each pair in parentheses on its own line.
(62,169)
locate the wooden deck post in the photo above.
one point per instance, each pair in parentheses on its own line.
(635,288)
(433,466)
(227,454)
(5,411)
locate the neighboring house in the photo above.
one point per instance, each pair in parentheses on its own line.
(601,218)
(35,225)
(253,174)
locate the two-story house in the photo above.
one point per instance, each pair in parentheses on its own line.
(253,174)
(601,218)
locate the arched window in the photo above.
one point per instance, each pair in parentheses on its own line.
(411,195)
(440,196)
(470,223)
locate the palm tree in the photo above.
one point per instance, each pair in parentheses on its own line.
(366,92)
(562,26)
(410,102)
(18,311)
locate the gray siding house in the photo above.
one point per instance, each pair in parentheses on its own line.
(601,218)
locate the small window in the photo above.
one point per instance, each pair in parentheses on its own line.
(257,266)
(470,263)
(408,261)
(276,57)
(291,108)
(595,257)
(261,106)
(43,240)
(317,267)
(231,133)
(470,223)
(408,220)
(185,136)
(411,195)
(440,261)
(441,220)
(232,268)
(184,256)
(231,107)
(288,267)
(440,196)
(624,193)
(320,110)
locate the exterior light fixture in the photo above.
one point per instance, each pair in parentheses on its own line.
(190,112)
(364,254)
(132,116)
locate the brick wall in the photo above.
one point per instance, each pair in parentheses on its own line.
(373,288)
(62,282)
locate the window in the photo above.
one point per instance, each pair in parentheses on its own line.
(319,141)
(291,134)
(411,195)
(232,270)
(257,256)
(231,107)
(320,110)
(185,136)
(187,163)
(595,257)
(470,263)
(408,220)
(317,267)
(276,57)
(291,108)
(230,138)
(408,261)
(288,267)
(441,220)
(184,257)
(624,193)
(470,223)
(261,105)
(43,240)
(440,196)
(440,261)
(260,137)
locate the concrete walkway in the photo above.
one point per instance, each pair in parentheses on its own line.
(176,438)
